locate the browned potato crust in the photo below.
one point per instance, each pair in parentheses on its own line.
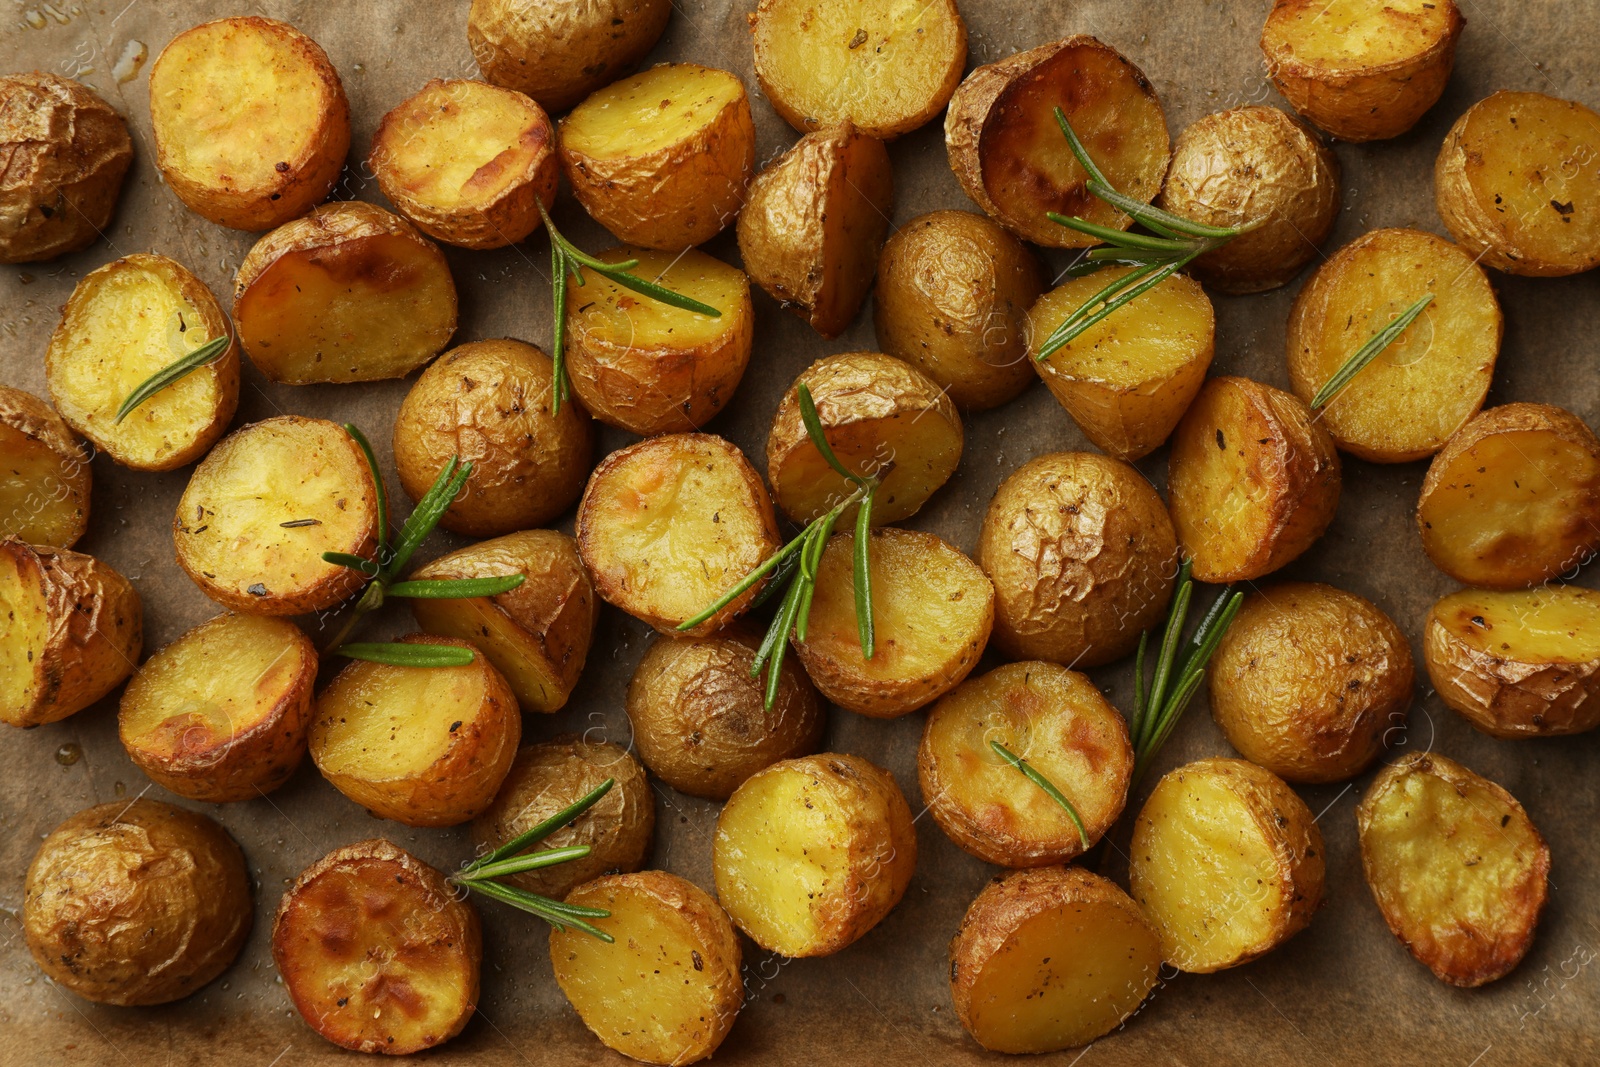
(1082,556)
(45,481)
(136,902)
(489,403)
(560,51)
(63,155)
(1456,866)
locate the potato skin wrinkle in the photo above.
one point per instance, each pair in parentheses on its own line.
(560,51)
(45,483)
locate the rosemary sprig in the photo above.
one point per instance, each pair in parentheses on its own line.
(209,352)
(1032,774)
(567,259)
(402,654)
(1369,352)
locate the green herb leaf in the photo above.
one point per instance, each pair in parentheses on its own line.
(528,861)
(1369,352)
(402,654)
(377,484)
(863,578)
(813,425)
(558,345)
(422,520)
(1120,238)
(173,372)
(810,561)
(356,563)
(457,588)
(1033,775)
(745,583)
(534,904)
(538,833)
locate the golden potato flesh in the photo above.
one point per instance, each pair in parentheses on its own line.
(1127,380)
(65,154)
(1227,863)
(887,67)
(45,479)
(1309,679)
(1516,185)
(538,634)
(699,715)
(669,988)
(812,853)
(547,777)
(1009,153)
(1514,498)
(1050,959)
(262,508)
(1082,556)
(1431,379)
(883,418)
(1524,663)
(648,367)
(932,607)
(469,163)
(1054,719)
(1364,70)
(136,902)
(1254,166)
(250,121)
(1456,866)
(557,51)
(377,951)
(1252,480)
(348,293)
(662,159)
(124,323)
(669,525)
(489,402)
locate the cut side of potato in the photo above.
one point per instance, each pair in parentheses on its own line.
(1456,866)
(45,477)
(559,52)
(1128,380)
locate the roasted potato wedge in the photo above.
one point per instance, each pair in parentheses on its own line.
(811,853)
(1049,959)
(1431,379)
(1456,866)
(349,293)
(136,902)
(1308,679)
(124,322)
(377,951)
(1252,480)
(1011,158)
(882,417)
(1128,380)
(489,402)
(815,222)
(221,713)
(1227,863)
(1082,556)
(662,159)
(250,121)
(45,479)
(668,525)
(71,632)
(676,955)
(700,719)
(648,367)
(888,68)
(241,530)
(66,153)
(559,52)
(469,163)
(1054,719)
(1364,70)
(1514,498)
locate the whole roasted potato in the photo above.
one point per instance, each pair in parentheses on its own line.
(136,903)
(560,51)
(63,155)
(45,481)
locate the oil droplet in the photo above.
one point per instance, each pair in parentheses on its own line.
(130,62)
(36,19)
(57,14)
(69,753)
(119,789)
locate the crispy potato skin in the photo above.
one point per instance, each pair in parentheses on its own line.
(545,778)
(1082,556)
(1432,829)
(44,489)
(250,120)
(1100,959)
(1309,679)
(1363,92)
(676,956)
(136,903)
(63,155)
(560,51)
(1254,165)
(89,629)
(700,720)
(489,403)
(1514,498)
(377,951)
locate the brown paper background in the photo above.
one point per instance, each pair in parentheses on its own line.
(1342,992)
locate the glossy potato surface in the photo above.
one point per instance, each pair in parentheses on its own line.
(44,486)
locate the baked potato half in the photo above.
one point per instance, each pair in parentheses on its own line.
(45,481)
(1458,869)
(1227,863)
(557,51)
(136,902)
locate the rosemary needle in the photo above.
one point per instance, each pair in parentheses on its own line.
(173,372)
(1032,774)
(1369,352)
